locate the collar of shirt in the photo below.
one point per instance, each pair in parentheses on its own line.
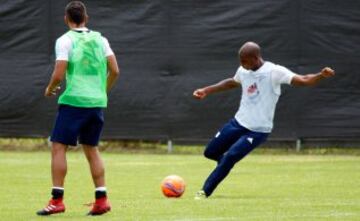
(80,29)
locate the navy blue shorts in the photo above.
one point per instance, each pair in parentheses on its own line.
(235,139)
(76,123)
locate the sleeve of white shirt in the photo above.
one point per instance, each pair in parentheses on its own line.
(237,75)
(107,49)
(64,44)
(62,48)
(282,75)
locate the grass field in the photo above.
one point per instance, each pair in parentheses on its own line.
(261,187)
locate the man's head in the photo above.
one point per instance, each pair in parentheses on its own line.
(250,56)
(75,12)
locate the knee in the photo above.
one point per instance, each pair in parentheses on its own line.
(91,153)
(58,149)
(208,153)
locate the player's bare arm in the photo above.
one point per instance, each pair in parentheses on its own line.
(113,70)
(223,85)
(312,79)
(56,78)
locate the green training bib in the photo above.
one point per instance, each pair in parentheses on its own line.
(86,75)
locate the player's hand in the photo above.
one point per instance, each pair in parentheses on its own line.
(199,93)
(53,92)
(327,72)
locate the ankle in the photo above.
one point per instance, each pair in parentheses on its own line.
(57,193)
(100,192)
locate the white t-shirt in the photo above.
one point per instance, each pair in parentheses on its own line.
(63,46)
(260,92)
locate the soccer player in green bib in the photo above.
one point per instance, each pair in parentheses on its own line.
(90,67)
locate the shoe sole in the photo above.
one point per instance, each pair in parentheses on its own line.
(99,213)
(39,213)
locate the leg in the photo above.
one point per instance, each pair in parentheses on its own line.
(89,138)
(96,165)
(236,152)
(101,205)
(58,164)
(65,133)
(222,141)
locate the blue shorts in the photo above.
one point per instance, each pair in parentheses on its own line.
(73,123)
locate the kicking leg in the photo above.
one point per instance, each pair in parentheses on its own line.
(236,152)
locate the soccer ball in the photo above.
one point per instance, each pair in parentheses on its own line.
(173,186)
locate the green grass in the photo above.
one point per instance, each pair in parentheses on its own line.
(261,187)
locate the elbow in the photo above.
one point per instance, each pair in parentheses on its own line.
(115,72)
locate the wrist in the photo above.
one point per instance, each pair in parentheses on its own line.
(50,89)
(321,75)
(207,90)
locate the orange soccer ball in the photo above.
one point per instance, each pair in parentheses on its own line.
(173,186)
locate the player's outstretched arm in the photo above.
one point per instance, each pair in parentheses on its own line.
(312,79)
(113,70)
(223,85)
(56,78)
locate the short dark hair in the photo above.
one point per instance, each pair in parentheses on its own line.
(76,11)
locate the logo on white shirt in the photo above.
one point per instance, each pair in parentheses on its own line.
(253,91)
